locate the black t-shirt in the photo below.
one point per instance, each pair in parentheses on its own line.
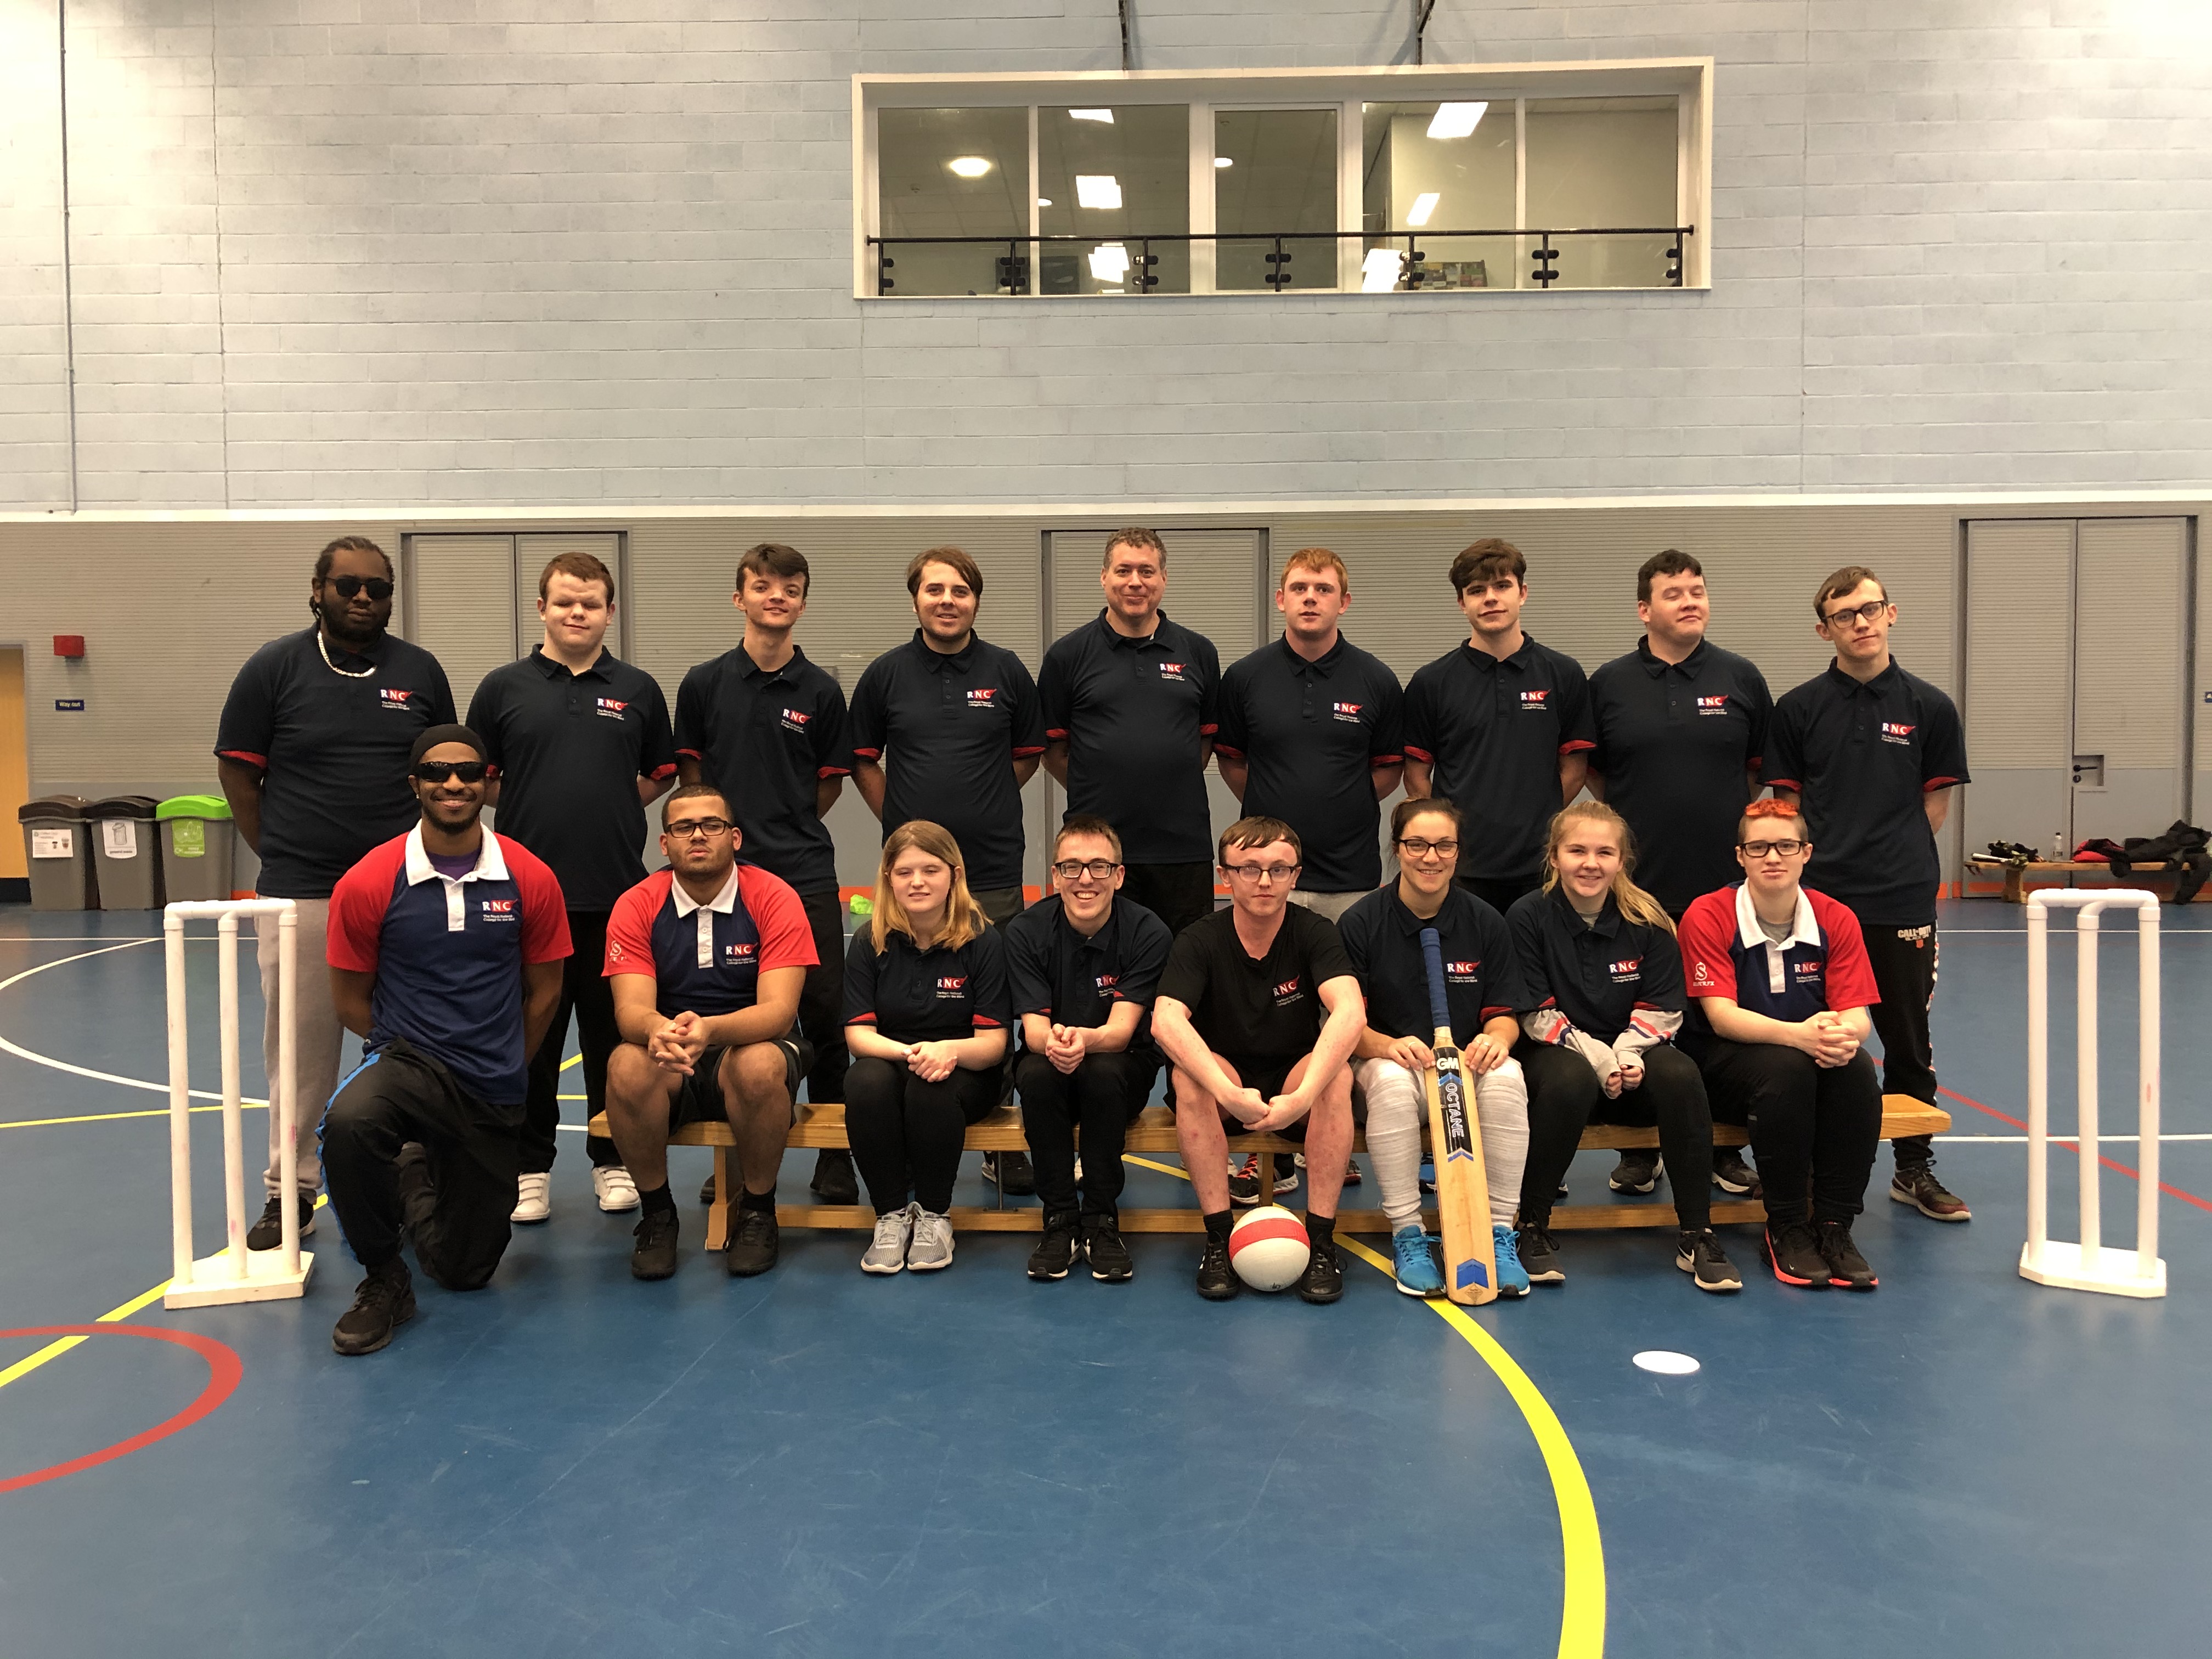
(1482,979)
(1134,714)
(1863,759)
(333,748)
(1597,974)
(927,996)
(1073,980)
(1311,732)
(953,724)
(1494,731)
(766,739)
(1264,1009)
(1674,744)
(570,748)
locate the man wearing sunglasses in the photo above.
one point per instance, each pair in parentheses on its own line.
(1872,754)
(1083,964)
(445,946)
(313,750)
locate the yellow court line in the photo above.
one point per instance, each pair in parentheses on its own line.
(1582,1612)
(110,1117)
(573,1059)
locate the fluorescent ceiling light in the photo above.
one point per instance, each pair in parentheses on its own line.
(1109,263)
(1423,206)
(1044,201)
(1223,162)
(1105,115)
(969,167)
(1379,271)
(1097,189)
(1455,120)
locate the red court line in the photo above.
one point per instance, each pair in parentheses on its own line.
(2170,1190)
(224,1369)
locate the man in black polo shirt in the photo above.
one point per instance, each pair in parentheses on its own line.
(947,727)
(1084,966)
(581,741)
(1309,734)
(1873,754)
(768,727)
(1130,712)
(1501,725)
(1681,725)
(313,750)
(1258,1013)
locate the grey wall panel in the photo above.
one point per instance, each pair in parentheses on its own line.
(2129,679)
(2018,701)
(460,605)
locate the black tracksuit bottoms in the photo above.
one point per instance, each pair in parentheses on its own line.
(586,992)
(458,1221)
(1904,960)
(1813,1126)
(822,997)
(906,1135)
(1565,1097)
(1101,1095)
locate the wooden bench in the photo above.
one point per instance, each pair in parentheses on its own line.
(1154,1132)
(2016,875)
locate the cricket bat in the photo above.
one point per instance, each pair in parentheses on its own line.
(1455,1148)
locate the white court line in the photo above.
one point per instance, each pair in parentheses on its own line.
(86,1071)
(2055,1140)
(79,939)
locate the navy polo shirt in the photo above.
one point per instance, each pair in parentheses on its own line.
(1481,980)
(707,959)
(449,953)
(954,723)
(333,750)
(936,995)
(1861,758)
(570,748)
(1494,731)
(765,738)
(1597,974)
(1675,743)
(1256,1012)
(1135,716)
(1073,980)
(1311,732)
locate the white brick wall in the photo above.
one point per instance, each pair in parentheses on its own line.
(575,251)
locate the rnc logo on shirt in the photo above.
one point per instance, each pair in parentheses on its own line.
(982,699)
(1106,982)
(1626,970)
(1347,711)
(793,720)
(392,698)
(1461,973)
(1712,705)
(609,707)
(1171,670)
(952,985)
(1287,992)
(500,911)
(1892,732)
(738,956)
(1534,699)
(1810,968)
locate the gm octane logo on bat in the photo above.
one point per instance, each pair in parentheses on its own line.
(1462,1181)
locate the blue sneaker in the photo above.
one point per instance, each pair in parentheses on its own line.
(1512,1277)
(1416,1264)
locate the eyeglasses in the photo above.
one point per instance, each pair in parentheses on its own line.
(1274,872)
(1097,869)
(1759,849)
(1866,612)
(439,771)
(697,830)
(1414,848)
(347,586)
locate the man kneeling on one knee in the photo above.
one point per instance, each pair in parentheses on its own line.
(1780,983)
(707,959)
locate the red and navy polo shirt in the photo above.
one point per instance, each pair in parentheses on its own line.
(449,953)
(707,959)
(938,995)
(1821,968)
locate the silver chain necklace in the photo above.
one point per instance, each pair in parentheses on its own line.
(323,646)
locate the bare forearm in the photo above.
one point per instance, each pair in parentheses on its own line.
(868,778)
(1055,762)
(1385,779)
(242,789)
(1234,773)
(1421,780)
(757,1023)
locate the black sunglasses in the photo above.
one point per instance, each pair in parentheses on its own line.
(347,586)
(439,771)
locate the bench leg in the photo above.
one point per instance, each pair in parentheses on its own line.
(2016,883)
(718,1213)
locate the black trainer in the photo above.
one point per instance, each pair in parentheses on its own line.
(1847,1269)
(1216,1280)
(1636,1172)
(1010,1172)
(1732,1174)
(1794,1252)
(381,1304)
(1700,1254)
(1539,1256)
(1323,1278)
(753,1244)
(268,1233)
(1110,1258)
(655,1255)
(1244,1181)
(1056,1252)
(834,1181)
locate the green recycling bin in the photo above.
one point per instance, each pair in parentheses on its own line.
(197,848)
(57,844)
(127,864)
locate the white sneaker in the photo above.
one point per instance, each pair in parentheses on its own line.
(932,1248)
(616,1191)
(887,1255)
(533,1198)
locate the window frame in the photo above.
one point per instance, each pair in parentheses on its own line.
(1689,80)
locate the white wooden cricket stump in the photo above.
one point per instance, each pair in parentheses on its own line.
(2089,1265)
(234,1274)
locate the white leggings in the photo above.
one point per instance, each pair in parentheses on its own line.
(1397,1103)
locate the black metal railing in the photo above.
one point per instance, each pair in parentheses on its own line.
(1011,268)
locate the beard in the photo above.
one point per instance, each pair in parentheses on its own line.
(335,615)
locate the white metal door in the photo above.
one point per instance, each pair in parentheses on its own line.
(2129,688)
(460,605)
(2019,690)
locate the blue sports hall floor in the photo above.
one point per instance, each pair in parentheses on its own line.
(820,1463)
